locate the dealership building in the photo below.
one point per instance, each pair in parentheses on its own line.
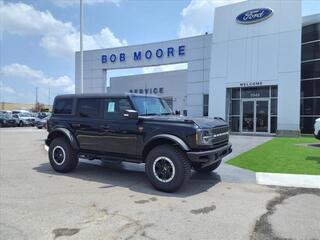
(259,69)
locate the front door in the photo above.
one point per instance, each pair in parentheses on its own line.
(262,116)
(119,133)
(248,116)
(255,116)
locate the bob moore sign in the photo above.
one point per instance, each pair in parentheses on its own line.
(147,55)
(254,15)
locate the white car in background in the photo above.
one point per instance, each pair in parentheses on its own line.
(24,117)
(317,128)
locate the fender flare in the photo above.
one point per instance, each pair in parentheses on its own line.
(65,132)
(171,137)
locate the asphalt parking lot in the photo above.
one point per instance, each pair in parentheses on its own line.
(116,201)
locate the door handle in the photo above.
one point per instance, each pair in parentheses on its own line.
(75,124)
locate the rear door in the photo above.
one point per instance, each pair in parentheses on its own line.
(86,124)
(120,133)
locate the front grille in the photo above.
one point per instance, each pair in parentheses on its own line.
(221,135)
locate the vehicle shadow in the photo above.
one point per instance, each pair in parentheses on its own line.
(131,176)
(314,158)
(314,145)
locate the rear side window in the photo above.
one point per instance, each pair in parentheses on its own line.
(89,108)
(63,106)
(115,107)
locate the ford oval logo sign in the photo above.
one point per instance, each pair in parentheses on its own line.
(254,15)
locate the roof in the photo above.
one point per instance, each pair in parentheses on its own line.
(311,19)
(101,95)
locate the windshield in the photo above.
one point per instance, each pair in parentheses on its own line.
(151,105)
(4,115)
(24,114)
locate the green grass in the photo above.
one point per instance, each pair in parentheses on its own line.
(282,155)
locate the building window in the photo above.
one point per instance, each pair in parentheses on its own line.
(310,77)
(205,105)
(310,51)
(234,100)
(310,69)
(311,33)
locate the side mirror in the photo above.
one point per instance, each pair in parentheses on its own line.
(131,114)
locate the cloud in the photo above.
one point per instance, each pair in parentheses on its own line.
(5,88)
(165,68)
(36,77)
(67,44)
(68,3)
(197,17)
(57,37)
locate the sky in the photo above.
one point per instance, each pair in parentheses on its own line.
(38,38)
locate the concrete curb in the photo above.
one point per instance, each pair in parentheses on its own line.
(288,180)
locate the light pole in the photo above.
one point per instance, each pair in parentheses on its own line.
(81,45)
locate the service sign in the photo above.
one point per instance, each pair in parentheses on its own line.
(254,15)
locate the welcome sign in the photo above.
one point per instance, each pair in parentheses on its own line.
(254,15)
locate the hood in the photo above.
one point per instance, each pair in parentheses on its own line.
(201,122)
(27,118)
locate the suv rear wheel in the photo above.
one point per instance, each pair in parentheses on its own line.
(63,158)
(207,169)
(167,168)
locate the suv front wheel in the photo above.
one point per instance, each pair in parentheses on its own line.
(63,158)
(167,168)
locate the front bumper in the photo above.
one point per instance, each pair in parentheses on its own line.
(210,155)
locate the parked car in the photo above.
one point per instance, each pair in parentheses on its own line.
(134,128)
(42,115)
(41,123)
(6,120)
(317,128)
(24,118)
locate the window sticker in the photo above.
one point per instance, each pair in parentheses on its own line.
(111,106)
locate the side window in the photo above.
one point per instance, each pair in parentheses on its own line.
(63,106)
(89,108)
(115,107)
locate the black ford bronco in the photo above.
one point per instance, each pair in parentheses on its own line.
(134,128)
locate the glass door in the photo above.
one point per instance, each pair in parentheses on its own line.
(255,116)
(248,116)
(262,116)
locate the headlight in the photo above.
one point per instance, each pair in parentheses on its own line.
(204,137)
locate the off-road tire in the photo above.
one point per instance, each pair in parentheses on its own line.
(71,159)
(182,167)
(207,169)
